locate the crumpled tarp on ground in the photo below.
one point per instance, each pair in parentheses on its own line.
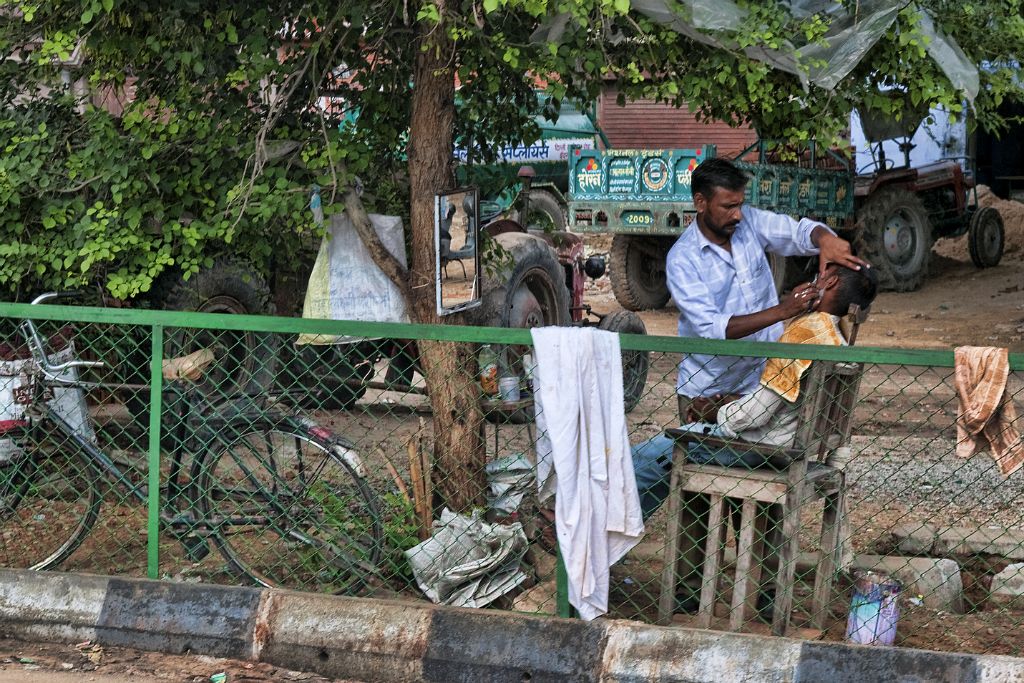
(510,479)
(468,562)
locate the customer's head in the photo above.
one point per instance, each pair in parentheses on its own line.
(844,286)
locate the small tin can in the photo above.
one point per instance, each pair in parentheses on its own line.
(508,389)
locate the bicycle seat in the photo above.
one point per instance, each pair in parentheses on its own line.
(189,368)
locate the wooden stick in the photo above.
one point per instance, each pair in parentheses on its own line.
(427,470)
(418,475)
(395,476)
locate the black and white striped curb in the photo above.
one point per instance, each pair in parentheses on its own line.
(380,640)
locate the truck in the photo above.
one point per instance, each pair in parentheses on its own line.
(643,199)
(574,127)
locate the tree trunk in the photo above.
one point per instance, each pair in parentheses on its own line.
(459,454)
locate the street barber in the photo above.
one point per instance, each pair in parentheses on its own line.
(721,282)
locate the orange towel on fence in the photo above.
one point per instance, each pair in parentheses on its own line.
(986,414)
(782,375)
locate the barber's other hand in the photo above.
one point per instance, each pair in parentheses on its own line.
(800,300)
(834,249)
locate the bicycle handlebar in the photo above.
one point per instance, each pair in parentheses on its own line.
(38,349)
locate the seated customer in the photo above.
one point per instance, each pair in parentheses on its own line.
(768,416)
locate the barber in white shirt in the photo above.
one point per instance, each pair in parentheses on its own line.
(719,277)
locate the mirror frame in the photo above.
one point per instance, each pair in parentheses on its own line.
(474,220)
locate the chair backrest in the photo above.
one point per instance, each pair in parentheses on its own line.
(826,414)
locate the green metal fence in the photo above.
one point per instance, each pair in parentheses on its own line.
(257,460)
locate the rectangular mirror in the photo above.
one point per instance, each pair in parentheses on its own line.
(457,265)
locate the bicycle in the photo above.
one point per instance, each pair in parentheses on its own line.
(284,500)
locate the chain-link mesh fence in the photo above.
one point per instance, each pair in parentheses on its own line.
(314,467)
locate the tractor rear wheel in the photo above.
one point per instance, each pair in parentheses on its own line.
(985,237)
(546,212)
(247,360)
(896,238)
(527,289)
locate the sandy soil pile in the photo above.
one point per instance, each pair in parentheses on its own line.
(1013,223)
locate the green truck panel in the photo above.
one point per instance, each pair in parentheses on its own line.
(647,192)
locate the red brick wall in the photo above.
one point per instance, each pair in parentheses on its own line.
(646,124)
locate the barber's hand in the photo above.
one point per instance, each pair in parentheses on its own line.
(801,300)
(834,249)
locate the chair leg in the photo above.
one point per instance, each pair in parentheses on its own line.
(825,573)
(744,556)
(669,577)
(712,558)
(762,556)
(785,576)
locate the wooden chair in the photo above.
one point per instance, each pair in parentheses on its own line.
(829,396)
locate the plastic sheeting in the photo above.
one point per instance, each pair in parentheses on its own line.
(346,284)
(849,38)
(948,55)
(468,562)
(68,402)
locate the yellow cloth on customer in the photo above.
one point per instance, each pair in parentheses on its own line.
(782,375)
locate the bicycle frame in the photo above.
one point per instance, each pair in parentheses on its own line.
(205,424)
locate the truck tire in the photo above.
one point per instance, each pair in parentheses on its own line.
(526,290)
(637,271)
(248,361)
(546,212)
(896,238)
(986,237)
(635,364)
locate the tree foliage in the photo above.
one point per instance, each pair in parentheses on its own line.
(196,164)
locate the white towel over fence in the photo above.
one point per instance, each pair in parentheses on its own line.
(583,457)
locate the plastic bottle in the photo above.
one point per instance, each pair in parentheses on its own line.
(529,367)
(488,360)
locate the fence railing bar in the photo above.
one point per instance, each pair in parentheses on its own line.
(487,335)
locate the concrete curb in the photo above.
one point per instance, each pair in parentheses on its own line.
(379,640)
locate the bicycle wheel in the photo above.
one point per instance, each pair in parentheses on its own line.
(286,510)
(48,502)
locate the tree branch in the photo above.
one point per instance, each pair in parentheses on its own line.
(387,263)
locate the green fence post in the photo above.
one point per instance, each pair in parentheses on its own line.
(156,385)
(562,587)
